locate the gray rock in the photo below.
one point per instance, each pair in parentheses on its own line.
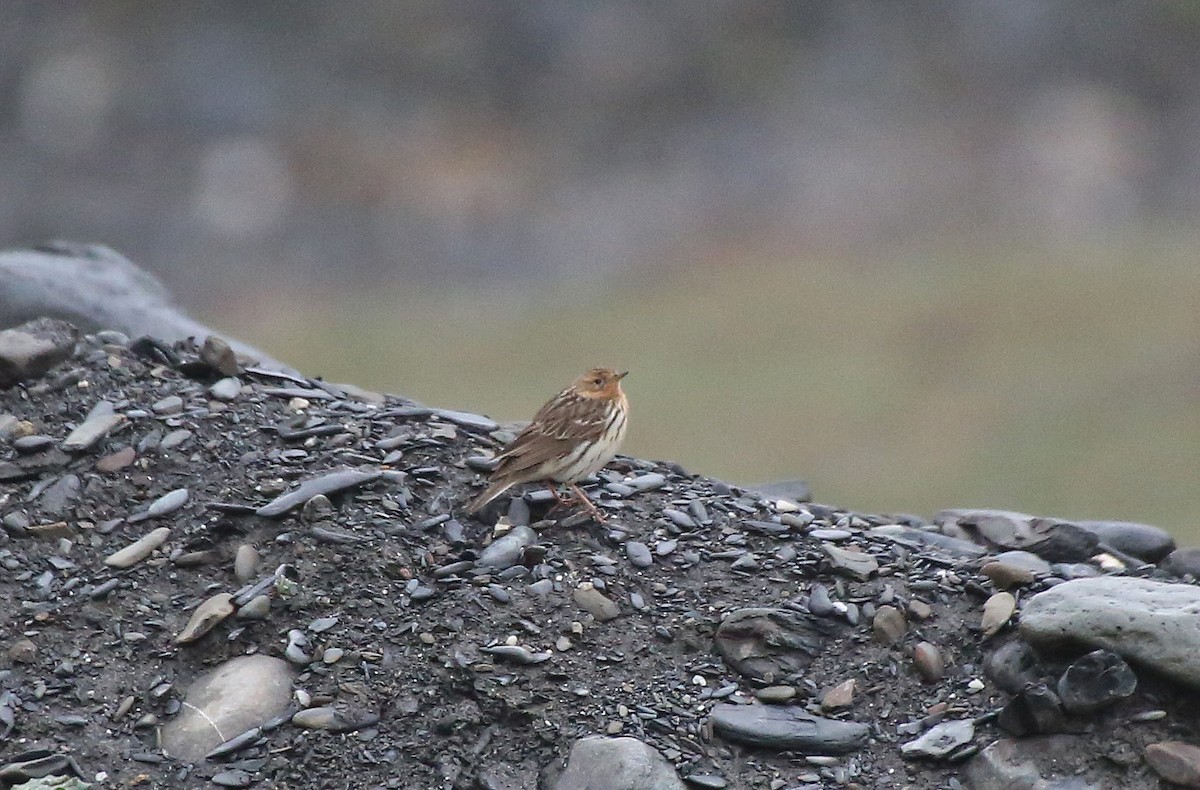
(921,538)
(1051,539)
(138,550)
(1148,622)
(227,388)
(1095,681)
(1026,764)
(787,727)
(505,552)
(1143,541)
(855,564)
(942,742)
(205,618)
(595,602)
(770,645)
(101,420)
(1183,562)
(32,349)
(601,763)
(242,693)
(329,483)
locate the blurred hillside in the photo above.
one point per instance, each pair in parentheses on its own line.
(931,254)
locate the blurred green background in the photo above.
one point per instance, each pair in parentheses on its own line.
(921,255)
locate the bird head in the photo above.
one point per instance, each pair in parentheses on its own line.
(600,383)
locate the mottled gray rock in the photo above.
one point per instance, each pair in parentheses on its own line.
(770,645)
(243,692)
(1153,623)
(942,742)
(600,763)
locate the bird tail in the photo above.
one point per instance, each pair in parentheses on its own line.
(489,493)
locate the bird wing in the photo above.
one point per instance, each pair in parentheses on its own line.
(556,429)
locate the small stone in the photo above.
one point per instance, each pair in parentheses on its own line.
(997,611)
(1175,761)
(941,742)
(840,696)
(217,354)
(889,625)
(855,564)
(22,651)
(205,618)
(172,404)
(138,550)
(1097,680)
(775,695)
(116,461)
(595,602)
(1007,576)
(245,562)
(168,503)
(226,389)
(101,421)
(34,348)
(929,662)
(638,554)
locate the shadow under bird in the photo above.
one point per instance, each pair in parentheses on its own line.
(573,435)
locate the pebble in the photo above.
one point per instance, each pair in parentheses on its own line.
(997,611)
(334,719)
(175,439)
(856,564)
(138,550)
(101,421)
(840,696)
(1175,761)
(116,461)
(605,763)
(647,482)
(245,562)
(929,662)
(944,741)
(218,355)
(595,602)
(172,404)
(889,625)
(770,645)
(1034,710)
(206,617)
(1007,576)
(506,551)
(775,695)
(226,389)
(1143,541)
(639,554)
(238,695)
(168,503)
(34,348)
(27,445)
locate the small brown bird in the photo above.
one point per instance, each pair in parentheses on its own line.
(575,434)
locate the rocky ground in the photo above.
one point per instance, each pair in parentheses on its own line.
(222,576)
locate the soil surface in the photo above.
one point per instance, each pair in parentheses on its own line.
(451,674)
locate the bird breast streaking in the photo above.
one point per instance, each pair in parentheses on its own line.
(574,435)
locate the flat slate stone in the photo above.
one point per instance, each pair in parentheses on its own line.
(787,727)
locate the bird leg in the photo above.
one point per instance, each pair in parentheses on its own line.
(554,490)
(582,497)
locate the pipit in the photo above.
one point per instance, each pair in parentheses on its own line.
(574,435)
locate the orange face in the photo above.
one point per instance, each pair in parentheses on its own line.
(603,383)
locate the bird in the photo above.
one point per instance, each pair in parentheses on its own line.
(573,435)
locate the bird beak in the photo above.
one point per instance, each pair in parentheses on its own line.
(622,375)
